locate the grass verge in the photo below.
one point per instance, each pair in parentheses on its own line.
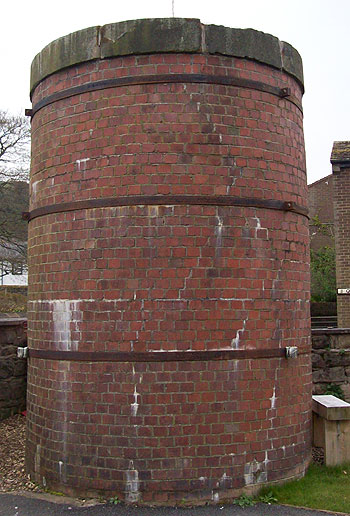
(325,488)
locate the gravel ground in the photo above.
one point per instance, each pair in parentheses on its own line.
(12,442)
(318,455)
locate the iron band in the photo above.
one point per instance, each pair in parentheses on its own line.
(160,356)
(165,78)
(166,200)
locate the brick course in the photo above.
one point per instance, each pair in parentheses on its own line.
(168,278)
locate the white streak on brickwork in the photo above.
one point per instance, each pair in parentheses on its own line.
(181,290)
(66,319)
(34,191)
(218,231)
(235,342)
(62,471)
(132,486)
(272,408)
(225,481)
(135,405)
(258,223)
(254,472)
(81,163)
(215,496)
(266,461)
(259,226)
(273,398)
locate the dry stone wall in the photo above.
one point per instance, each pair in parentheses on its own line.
(331,360)
(13,370)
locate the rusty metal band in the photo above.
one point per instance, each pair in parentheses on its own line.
(166,200)
(165,78)
(161,356)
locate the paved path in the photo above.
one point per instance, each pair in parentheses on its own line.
(18,505)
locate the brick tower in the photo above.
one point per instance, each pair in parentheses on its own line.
(168,250)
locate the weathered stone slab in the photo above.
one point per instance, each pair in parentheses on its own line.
(291,61)
(331,428)
(151,36)
(246,43)
(74,48)
(330,407)
(159,35)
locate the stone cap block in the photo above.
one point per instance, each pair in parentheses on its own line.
(151,37)
(341,153)
(72,49)
(12,321)
(330,407)
(163,35)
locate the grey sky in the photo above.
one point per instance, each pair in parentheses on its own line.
(318,29)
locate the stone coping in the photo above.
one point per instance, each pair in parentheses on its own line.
(341,153)
(330,407)
(330,331)
(12,321)
(164,35)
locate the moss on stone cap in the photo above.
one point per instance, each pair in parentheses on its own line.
(159,35)
(341,152)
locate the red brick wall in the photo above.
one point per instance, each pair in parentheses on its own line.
(341,179)
(321,213)
(168,278)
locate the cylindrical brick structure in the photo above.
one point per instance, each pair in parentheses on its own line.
(168,250)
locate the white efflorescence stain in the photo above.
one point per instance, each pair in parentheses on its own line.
(273,398)
(255,472)
(34,188)
(62,471)
(236,340)
(259,226)
(66,320)
(81,164)
(132,485)
(135,404)
(215,496)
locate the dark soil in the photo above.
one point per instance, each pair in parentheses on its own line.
(12,443)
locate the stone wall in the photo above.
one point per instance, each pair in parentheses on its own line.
(331,359)
(13,370)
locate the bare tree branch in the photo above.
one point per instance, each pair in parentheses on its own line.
(14,147)
(14,173)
